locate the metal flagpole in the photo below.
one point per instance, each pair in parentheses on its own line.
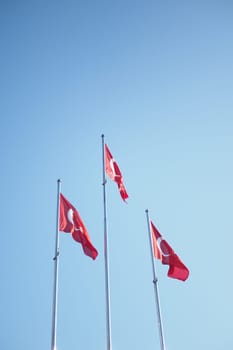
(155,282)
(56,263)
(107,287)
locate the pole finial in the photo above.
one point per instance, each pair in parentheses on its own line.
(59,180)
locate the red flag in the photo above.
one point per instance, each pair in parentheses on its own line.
(113,171)
(166,254)
(70,221)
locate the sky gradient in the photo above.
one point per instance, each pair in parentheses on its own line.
(155,77)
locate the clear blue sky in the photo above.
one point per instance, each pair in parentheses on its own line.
(156,78)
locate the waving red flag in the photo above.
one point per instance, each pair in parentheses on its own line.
(166,254)
(70,221)
(113,171)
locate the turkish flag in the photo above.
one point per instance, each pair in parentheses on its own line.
(113,171)
(164,252)
(70,221)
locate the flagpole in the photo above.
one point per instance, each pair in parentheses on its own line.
(155,282)
(107,287)
(56,265)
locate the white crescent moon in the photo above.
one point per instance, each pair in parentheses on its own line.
(112,166)
(112,160)
(159,240)
(70,214)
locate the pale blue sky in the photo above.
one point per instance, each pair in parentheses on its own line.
(156,78)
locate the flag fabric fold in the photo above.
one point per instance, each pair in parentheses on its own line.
(113,171)
(71,222)
(163,251)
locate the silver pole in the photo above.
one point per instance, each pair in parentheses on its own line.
(155,282)
(107,287)
(56,263)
